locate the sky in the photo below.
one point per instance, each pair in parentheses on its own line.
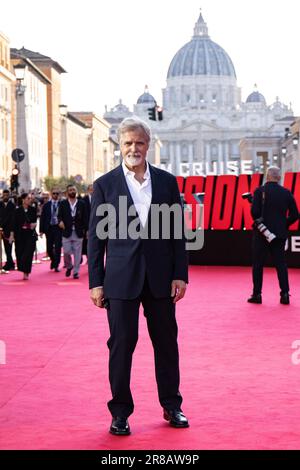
(112,49)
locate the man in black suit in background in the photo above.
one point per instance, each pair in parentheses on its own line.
(7,210)
(49,226)
(277,207)
(150,271)
(72,219)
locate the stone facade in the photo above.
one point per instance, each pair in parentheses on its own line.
(7,80)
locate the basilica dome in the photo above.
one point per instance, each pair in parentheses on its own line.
(146,98)
(256,97)
(201,56)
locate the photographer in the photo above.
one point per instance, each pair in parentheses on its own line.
(273,209)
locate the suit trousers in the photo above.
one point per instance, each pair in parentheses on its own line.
(8,251)
(54,242)
(260,249)
(72,245)
(25,247)
(123,317)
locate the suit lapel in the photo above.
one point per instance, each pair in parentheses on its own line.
(122,188)
(154,185)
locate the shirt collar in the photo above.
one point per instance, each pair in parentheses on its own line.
(130,173)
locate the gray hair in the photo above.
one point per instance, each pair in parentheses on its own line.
(132,124)
(274,173)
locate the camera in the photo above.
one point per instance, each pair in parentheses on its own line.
(259,225)
(248,196)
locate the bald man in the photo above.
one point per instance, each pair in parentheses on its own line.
(277,207)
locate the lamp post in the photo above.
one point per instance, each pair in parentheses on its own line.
(20,75)
(20,70)
(63,111)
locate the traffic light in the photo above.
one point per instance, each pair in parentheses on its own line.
(14,180)
(152,113)
(159,113)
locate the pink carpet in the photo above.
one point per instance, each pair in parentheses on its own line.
(240,388)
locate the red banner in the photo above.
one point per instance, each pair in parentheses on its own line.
(224,207)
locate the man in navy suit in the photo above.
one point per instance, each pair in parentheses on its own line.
(277,208)
(148,270)
(49,227)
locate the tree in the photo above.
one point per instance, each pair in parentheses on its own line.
(62,183)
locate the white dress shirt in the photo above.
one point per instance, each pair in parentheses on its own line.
(141,193)
(73,208)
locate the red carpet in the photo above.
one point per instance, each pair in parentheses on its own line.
(240,388)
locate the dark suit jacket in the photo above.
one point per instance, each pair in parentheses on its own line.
(46,217)
(7,217)
(21,217)
(64,215)
(128,260)
(279,210)
(86,200)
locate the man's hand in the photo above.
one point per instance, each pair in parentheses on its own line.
(178,290)
(97,296)
(61,225)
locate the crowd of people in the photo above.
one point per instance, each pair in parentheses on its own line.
(62,217)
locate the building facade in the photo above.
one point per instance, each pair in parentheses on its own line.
(7,80)
(73,150)
(31,121)
(101,145)
(52,70)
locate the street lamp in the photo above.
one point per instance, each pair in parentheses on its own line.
(14,179)
(20,75)
(296,140)
(283,151)
(63,110)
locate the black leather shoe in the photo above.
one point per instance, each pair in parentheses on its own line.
(176,418)
(76,276)
(285,298)
(255,299)
(119,426)
(57,270)
(68,272)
